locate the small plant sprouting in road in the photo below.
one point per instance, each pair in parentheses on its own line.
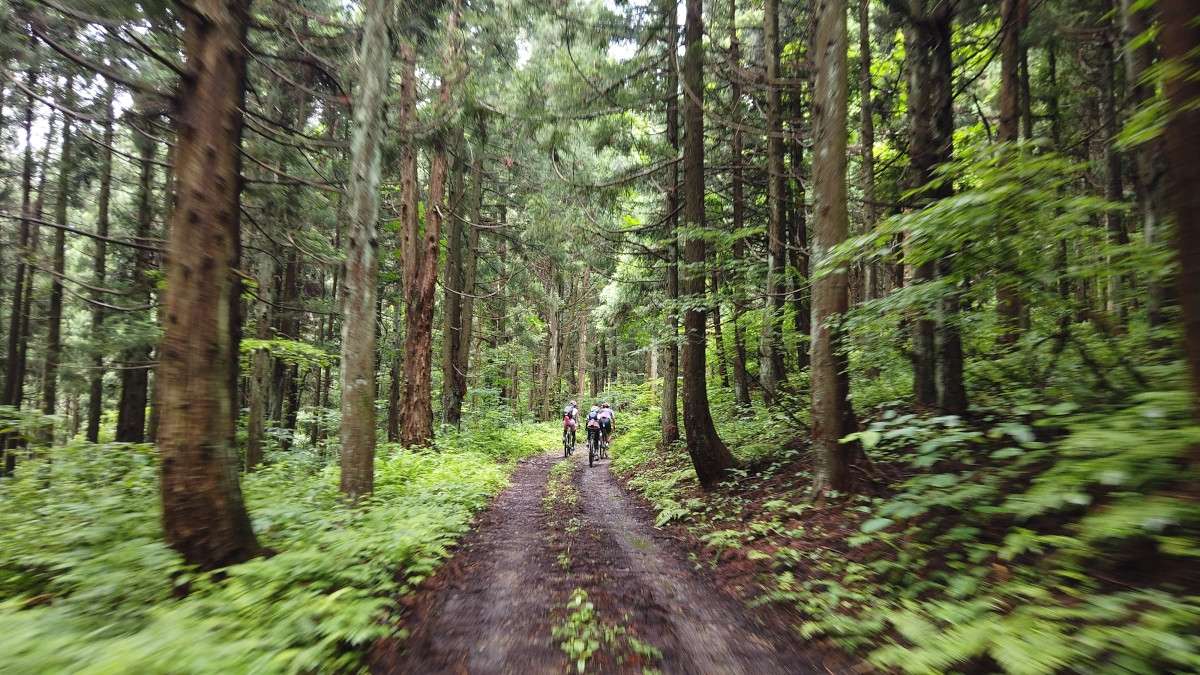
(581,633)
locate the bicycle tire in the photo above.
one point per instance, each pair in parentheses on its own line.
(591,454)
(566,448)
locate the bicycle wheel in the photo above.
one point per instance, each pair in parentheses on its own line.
(591,452)
(566,447)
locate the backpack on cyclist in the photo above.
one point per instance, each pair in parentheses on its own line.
(593,421)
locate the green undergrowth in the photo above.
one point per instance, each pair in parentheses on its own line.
(1035,538)
(88,586)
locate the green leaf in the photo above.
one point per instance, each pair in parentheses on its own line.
(875,525)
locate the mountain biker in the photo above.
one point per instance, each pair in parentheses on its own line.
(593,428)
(607,417)
(570,418)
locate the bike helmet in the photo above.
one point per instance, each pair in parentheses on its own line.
(595,409)
(572,401)
(605,405)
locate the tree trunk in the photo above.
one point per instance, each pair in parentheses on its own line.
(135,375)
(867,131)
(259,381)
(362,255)
(722,370)
(99,269)
(1008,301)
(471,269)
(581,365)
(14,374)
(1113,188)
(930,115)
(1148,156)
(452,283)
(204,517)
(798,242)
(771,372)
(13,370)
(1181,47)
(59,263)
(741,378)
(393,417)
(549,380)
(168,206)
(832,414)
(420,292)
(669,420)
(406,240)
(709,455)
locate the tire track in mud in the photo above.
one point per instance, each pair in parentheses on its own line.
(489,609)
(699,629)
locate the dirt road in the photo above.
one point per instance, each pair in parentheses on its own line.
(492,608)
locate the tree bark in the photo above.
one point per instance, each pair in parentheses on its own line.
(168,207)
(581,365)
(452,283)
(407,237)
(416,425)
(58,262)
(471,267)
(1148,156)
(867,131)
(718,333)
(741,378)
(832,414)
(135,376)
(99,269)
(798,249)
(362,255)
(1008,300)
(927,35)
(771,371)
(204,517)
(13,370)
(1180,39)
(709,455)
(1113,187)
(259,380)
(669,420)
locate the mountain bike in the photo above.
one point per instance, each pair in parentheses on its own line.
(593,446)
(568,440)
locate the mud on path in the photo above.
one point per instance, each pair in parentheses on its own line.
(492,607)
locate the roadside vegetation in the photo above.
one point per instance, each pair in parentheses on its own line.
(87,584)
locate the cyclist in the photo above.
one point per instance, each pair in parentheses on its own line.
(607,418)
(593,433)
(570,422)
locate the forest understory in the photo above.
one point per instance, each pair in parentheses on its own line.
(895,307)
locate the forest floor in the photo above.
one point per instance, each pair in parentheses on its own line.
(502,604)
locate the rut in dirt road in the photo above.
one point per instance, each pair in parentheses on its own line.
(704,631)
(490,612)
(492,607)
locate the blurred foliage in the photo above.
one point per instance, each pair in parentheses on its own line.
(88,586)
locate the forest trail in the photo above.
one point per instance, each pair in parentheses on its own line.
(493,606)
